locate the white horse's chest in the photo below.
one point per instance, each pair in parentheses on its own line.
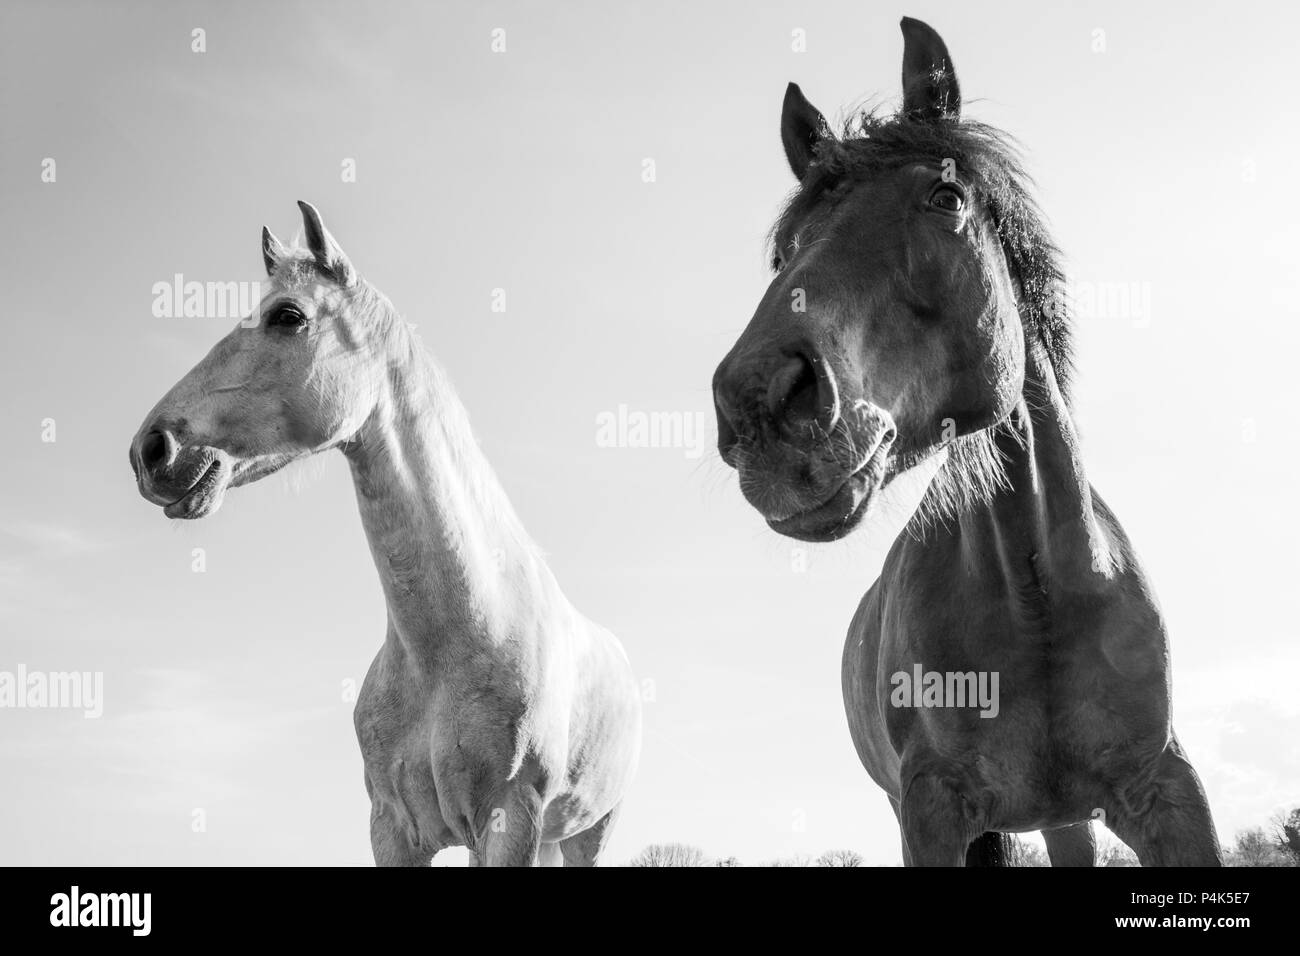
(436,749)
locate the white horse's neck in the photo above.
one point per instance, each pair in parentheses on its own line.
(452,556)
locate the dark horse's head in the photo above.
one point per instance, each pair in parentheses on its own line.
(910,268)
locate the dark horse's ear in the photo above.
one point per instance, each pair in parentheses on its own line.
(801,126)
(273,250)
(327,253)
(930,88)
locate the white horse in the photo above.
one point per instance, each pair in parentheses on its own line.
(495,717)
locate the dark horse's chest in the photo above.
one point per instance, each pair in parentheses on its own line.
(1033,690)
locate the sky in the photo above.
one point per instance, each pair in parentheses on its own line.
(1160,135)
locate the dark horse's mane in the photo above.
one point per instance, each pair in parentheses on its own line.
(989,161)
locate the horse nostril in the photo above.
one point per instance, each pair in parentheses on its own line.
(153,451)
(799,396)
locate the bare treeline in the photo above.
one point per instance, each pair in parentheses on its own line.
(1277,844)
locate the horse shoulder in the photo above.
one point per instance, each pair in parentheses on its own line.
(862,701)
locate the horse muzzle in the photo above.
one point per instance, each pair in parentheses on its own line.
(820,490)
(187,481)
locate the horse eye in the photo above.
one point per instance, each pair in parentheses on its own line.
(286,317)
(947,198)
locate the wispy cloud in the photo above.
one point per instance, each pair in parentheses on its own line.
(1240,722)
(49,540)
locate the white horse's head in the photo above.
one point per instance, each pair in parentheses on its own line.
(299,376)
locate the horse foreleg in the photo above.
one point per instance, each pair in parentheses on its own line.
(514,830)
(1167,821)
(584,849)
(902,837)
(549,854)
(936,823)
(389,840)
(1071,846)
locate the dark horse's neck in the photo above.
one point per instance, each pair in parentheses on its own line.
(1041,525)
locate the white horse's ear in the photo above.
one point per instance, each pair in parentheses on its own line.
(273,250)
(324,249)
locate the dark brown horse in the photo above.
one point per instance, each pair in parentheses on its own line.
(1009,671)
